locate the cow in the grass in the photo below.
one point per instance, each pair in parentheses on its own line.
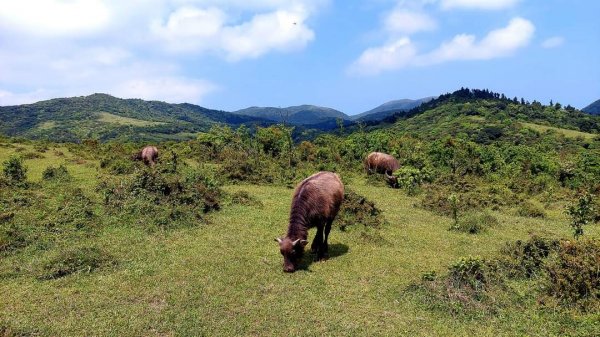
(316,202)
(148,155)
(383,163)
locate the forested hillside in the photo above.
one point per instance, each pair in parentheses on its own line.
(104,117)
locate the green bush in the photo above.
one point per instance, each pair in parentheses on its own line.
(474,223)
(75,210)
(14,170)
(531,210)
(573,272)
(162,199)
(411,178)
(468,272)
(74,260)
(355,210)
(56,173)
(526,258)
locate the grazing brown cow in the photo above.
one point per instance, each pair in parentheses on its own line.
(378,162)
(316,202)
(148,155)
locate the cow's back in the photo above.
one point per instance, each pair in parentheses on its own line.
(319,196)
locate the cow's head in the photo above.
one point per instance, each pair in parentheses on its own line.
(292,251)
(391,179)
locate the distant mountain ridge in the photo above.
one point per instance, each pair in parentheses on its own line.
(387,109)
(297,115)
(593,109)
(106,117)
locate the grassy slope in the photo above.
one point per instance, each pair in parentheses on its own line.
(226,279)
(566,132)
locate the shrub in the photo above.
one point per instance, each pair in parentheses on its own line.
(411,178)
(356,209)
(117,165)
(531,210)
(56,173)
(14,170)
(526,258)
(74,209)
(463,290)
(573,273)
(75,260)
(161,198)
(475,223)
(468,272)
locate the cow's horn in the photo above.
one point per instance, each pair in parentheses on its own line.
(295,242)
(278,240)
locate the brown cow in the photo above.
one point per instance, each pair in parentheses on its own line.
(148,155)
(316,202)
(378,162)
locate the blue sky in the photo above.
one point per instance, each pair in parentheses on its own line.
(350,55)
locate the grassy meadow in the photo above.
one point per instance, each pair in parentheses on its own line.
(223,276)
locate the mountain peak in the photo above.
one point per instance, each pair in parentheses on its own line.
(592,109)
(391,107)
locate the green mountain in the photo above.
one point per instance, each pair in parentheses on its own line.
(390,108)
(593,109)
(106,117)
(485,116)
(297,115)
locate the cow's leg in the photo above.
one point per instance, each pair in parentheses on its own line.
(318,240)
(324,251)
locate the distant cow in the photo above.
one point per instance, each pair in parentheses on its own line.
(316,202)
(378,162)
(148,155)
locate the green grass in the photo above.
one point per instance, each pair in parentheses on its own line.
(120,120)
(225,278)
(566,132)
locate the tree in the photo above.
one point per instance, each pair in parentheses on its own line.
(581,213)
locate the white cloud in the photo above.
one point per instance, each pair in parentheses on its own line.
(394,55)
(478,4)
(13,98)
(406,21)
(553,42)
(191,29)
(54,17)
(403,53)
(169,89)
(63,48)
(497,43)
